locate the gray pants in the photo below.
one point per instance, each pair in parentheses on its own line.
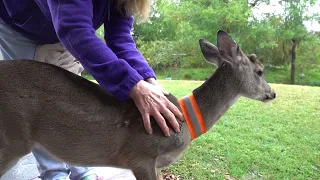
(14,46)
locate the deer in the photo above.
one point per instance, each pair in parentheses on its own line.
(42,104)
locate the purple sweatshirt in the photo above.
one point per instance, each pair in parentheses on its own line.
(117,66)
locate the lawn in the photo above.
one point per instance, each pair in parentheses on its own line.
(254,140)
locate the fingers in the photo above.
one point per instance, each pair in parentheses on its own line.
(146,122)
(164,91)
(172,120)
(175,110)
(151,102)
(169,111)
(162,123)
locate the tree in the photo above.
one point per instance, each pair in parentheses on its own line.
(294,28)
(176,26)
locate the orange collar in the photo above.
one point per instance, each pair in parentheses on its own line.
(192,116)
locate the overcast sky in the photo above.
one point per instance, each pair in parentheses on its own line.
(276,8)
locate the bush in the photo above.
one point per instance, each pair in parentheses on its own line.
(187,76)
(163,54)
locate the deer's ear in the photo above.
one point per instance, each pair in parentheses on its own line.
(210,52)
(228,48)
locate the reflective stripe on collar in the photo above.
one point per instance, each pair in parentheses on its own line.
(192,116)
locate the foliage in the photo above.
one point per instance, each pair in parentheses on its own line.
(176,26)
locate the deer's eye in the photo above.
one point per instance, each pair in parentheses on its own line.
(260,73)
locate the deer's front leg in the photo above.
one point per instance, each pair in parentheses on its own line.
(147,171)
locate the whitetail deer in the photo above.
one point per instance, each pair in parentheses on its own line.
(44,104)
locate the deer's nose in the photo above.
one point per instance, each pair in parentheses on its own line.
(271,96)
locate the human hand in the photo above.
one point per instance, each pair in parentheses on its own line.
(155,82)
(151,101)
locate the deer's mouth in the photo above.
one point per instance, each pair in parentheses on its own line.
(269,97)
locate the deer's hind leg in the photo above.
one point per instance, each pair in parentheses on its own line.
(147,171)
(9,156)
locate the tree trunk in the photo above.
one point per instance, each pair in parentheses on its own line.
(293,61)
(284,52)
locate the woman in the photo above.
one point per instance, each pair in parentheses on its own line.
(117,65)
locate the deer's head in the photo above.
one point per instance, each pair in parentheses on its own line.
(247,67)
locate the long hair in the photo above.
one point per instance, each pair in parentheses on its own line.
(137,8)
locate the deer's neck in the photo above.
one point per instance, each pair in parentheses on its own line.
(217,94)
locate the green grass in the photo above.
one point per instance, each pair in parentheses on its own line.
(87,76)
(254,140)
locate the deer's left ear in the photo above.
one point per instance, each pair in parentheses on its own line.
(228,48)
(210,52)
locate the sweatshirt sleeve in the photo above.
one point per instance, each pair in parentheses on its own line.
(72,20)
(118,37)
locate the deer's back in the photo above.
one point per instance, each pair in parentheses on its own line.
(39,99)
